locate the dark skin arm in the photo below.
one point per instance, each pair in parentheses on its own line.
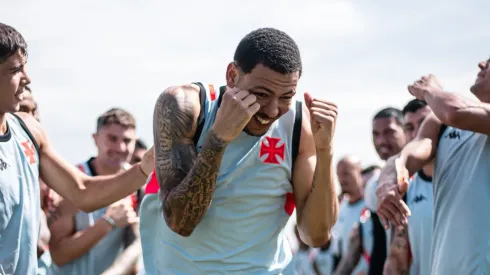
(354,252)
(314,189)
(393,181)
(87,193)
(397,262)
(187,179)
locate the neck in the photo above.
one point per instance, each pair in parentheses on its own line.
(428,169)
(353,198)
(102,169)
(3,124)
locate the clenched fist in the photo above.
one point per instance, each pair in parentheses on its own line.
(323,116)
(426,84)
(236,109)
(122,213)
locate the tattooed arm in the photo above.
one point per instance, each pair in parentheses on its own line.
(398,260)
(187,180)
(351,259)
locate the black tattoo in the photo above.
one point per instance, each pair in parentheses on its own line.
(187,180)
(354,252)
(397,262)
(53,214)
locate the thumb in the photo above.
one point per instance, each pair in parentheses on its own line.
(403,186)
(133,220)
(308,100)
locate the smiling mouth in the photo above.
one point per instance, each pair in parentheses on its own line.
(263,121)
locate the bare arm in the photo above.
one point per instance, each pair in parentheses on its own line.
(127,262)
(354,252)
(87,193)
(398,260)
(66,244)
(314,190)
(459,112)
(187,180)
(416,154)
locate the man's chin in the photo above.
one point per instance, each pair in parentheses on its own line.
(255,133)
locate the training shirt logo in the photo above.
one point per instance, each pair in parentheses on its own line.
(272,150)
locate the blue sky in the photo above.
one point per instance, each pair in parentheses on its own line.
(88,56)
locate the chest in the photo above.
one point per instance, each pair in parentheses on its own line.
(19,185)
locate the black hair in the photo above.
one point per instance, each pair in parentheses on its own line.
(270,47)
(10,42)
(369,169)
(390,112)
(140,144)
(413,106)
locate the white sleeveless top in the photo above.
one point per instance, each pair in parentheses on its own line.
(243,230)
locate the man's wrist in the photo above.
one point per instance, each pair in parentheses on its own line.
(142,170)
(110,221)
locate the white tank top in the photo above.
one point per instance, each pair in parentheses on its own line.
(243,230)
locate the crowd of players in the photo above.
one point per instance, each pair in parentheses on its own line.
(388,220)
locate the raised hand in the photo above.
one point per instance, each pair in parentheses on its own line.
(236,110)
(323,116)
(424,85)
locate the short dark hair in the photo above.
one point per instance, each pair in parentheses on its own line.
(390,112)
(270,47)
(140,145)
(10,42)
(413,106)
(370,169)
(116,116)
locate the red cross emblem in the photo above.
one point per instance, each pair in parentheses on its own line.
(29,151)
(272,151)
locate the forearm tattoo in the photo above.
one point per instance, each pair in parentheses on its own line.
(187,180)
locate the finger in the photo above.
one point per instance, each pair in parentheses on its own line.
(392,212)
(324,105)
(323,111)
(249,100)
(322,118)
(241,95)
(233,91)
(403,186)
(253,109)
(133,220)
(385,217)
(403,208)
(308,100)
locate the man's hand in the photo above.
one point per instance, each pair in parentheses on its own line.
(236,110)
(425,85)
(122,213)
(147,164)
(323,118)
(391,189)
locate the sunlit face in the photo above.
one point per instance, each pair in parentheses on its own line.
(137,156)
(413,120)
(274,92)
(481,88)
(13,79)
(115,144)
(349,176)
(28,105)
(388,137)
